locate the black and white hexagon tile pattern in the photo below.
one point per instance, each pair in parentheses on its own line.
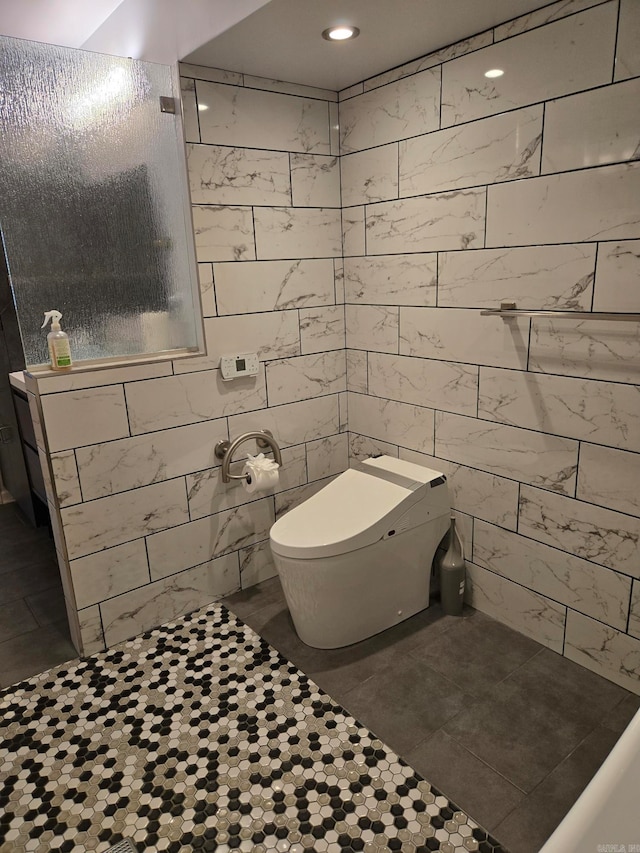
(200,736)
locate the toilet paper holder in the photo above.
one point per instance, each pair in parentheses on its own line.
(225,449)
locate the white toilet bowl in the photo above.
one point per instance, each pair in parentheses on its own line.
(356,557)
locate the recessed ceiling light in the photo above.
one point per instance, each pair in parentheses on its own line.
(494,72)
(202,107)
(340,33)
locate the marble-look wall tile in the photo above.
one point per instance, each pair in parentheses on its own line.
(592,128)
(207,494)
(269,85)
(256,564)
(581,585)
(322,329)
(307,376)
(527,612)
(189,110)
(454,334)
(270,334)
(593,349)
(76,418)
(618,277)
(222,175)
(577,206)
(436,222)
(288,232)
(600,535)
(627,54)
(600,412)
(392,112)
(391,279)
(542,16)
(357,370)
(476,493)
(566,56)
(197,542)
(223,233)
(293,423)
(334,129)
(343,412)
(370,175)
(138,611)
(353,231)
(214,75)
(119,466)
(372,327)
(191,398)
(609,478)
(91,633)
(535,278)
(603,650)
(98,378)
(500,148)
(328,456)
(112,521)
(65,477)
(207,293)
(397,423)
(424,382)
(523,455)
(315,181)
(338,265)
(445,54)
(634,614)
(285,122)
(109,573)
(363,447)
(273,285)
(286,501)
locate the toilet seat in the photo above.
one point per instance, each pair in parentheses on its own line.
(360,507)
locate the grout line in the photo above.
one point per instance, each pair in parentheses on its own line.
(615,43)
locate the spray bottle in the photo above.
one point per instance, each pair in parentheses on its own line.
(58,342)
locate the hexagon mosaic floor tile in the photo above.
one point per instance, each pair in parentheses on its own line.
(200,736)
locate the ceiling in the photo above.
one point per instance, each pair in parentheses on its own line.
(279,40)
(54,21)
(282,40)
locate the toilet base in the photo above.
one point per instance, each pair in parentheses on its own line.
(337,601)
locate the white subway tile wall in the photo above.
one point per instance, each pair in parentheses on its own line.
(352,241)
(524,191)
(150,530)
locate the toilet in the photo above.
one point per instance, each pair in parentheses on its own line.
(355,558)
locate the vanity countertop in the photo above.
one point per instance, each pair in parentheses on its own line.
(17,380)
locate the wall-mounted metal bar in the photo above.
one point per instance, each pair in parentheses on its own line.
(508,309)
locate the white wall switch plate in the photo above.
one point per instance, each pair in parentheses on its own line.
(242,364)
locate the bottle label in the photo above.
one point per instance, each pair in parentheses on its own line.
(61,353)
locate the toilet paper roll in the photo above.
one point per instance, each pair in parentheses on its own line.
(260,474)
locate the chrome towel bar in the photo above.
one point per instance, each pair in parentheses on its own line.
(508,309)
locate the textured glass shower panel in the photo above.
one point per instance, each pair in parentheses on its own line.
(92,202)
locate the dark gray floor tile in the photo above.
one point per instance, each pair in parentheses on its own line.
(469,782)
(527,828)
(619,717)
(519,734)
(405,702)
(247,601)
(567,687)
(28,580)
(32,551)
(477,653)
(48,607)
(33,653)
(15,619)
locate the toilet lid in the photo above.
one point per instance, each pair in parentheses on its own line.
(357,509)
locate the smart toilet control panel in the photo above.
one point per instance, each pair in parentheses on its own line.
(242,364)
